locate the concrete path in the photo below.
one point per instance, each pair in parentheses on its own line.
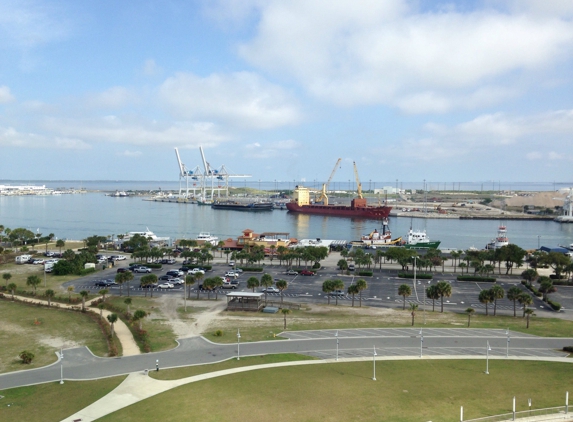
(128,344)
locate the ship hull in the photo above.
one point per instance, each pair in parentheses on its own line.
(242,207)
(428,245)
(376,213)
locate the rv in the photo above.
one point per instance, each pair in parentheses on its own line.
(23,259)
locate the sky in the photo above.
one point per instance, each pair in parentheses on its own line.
(450,91)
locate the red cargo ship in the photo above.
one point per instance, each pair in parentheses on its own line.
(358,207)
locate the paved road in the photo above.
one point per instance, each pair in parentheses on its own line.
(80,364)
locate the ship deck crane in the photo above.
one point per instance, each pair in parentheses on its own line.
(358,184)
(323,196)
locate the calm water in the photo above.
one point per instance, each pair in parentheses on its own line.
(80,216)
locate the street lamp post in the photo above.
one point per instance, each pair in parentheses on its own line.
(61,366)
(156,365)
(238,344)
(374,363)
(336,335)
(507,347)
(421,341)
(487,349)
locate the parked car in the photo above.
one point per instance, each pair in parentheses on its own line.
(49,253)
(165,278)
(123,270)
(235,282)
(105,283)
(142,270)
(148,286)
(291,272)
(231,263)
(187,262)
(169,261)
(117,258)
(37,261)
(233,274)
(175,273)
(165,285)
(177,281)
(306,272)
(229,286)
(196,270)
(338,293)
(271,289)
(184,269)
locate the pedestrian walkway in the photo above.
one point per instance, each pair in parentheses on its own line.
(128,344)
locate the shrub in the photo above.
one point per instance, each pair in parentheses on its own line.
(153,265)
(476,278)
(218,333)
(422,276)
(252,269)
(568,349)
(365,273)
(26,356)
(316,266)
(555,305)
(87,271)
(562,283)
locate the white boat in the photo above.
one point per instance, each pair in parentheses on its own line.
(500,240)
(420,240)
(206,237)
(148,234)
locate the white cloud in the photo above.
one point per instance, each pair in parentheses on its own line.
(550,131)
(384,52)
(5,95)
(10,137)
(150,68)
(284,149)
(242,98)
(26,24)
(130,154)
(114,97)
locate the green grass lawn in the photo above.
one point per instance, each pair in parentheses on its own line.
(405,391)
(52,402)
(42,331)
(330,317)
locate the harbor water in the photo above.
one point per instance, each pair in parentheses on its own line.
(81,215)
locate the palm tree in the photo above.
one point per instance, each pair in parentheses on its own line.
(444,289)
(327,289)
(148,280)
(49,294)
(404,290)
(282,285)
(127,278)
(189,281)
(485,297)
(119,279)
(84,294)
(546,287)
(103,293)
(432,293)
(528,314)
(12,288)
(112,318)
(361,285)
(266,281)
(101,307)
(462,265)
(353,290)
(285,312)
(513,295)
(6,277)
(337,285)
(470,312)
(525,300)
(413,309)
(70,291)
(252,283)
(127,301)
(198,277)
(497,292)
(138,316)
(33,281)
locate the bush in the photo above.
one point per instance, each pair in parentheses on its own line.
(476,278)
(568,349)
(87,271)
(555,305)
(26,356)
(218,333)
(421,276)
(562,283)
(156,266)
(530,287)
(252,269)
(366,273)
(205,267)
(316,266)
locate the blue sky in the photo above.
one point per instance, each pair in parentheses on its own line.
(409,90)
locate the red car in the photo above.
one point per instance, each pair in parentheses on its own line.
(306,272)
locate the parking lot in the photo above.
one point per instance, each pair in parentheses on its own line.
(382,290)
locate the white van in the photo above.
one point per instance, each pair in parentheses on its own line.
(23,259)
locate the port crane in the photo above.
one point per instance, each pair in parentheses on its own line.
(194,174)
(213,174)
(358,184)
(323,194)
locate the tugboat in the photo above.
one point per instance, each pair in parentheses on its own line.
(500,240)
(376,239)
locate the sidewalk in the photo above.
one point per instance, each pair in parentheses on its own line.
(123,334)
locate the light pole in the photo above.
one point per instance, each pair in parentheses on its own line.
(487,349)
(238,344)
(61,366)
(507,347)
(374,363)
(421,341)
(336,335)
(156,365)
